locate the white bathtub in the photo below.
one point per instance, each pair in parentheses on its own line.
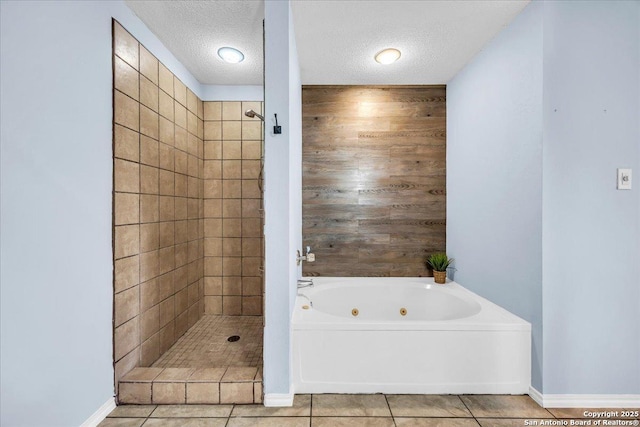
(449,340)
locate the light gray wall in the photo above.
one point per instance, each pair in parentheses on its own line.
(591,233)
(282,193)
(56,184)
(494,173)
(232,93)
(295,161)
(568,240)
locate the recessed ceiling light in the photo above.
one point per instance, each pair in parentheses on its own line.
(387,56)
(230,55)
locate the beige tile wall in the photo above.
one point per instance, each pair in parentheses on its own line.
(158,205)
(232,209)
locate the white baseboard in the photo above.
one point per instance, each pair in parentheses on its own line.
(102,412)
(585,400)
(278,399)
(536,395)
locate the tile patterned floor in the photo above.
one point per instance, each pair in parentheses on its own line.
(366,410)
(205,344)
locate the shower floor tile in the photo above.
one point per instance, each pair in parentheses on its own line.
(205,345)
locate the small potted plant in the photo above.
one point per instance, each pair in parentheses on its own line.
(439,263)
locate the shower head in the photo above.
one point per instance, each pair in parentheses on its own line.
(252,114)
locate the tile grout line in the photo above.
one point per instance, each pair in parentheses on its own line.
(148,416)
(468,409)
(230,412)
(393,418)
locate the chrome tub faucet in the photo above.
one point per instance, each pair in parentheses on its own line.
(305,283)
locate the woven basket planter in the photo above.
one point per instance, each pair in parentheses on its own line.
(440,276)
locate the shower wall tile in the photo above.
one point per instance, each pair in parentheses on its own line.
(125,78)
(213,188)
(126,111)
(158,219)
(149,322)
(149,237)
(231,130)
(149,208)
(126,143)
(126,305)
(127,273)
(148,93)
(150,350)
(148,122)
(166,157)
(127,240)
(192,102)
(231,227)
(125,45)
(252,266)
(232,169)
(148,151)
(252,130)
(231,149)
(165,106)
(165,79)
(148,179)
(126,338)
(251,305)
(180,91)
(251,286)
(212,111)
(374,179)
(148,65)
(180,140)
(251,208)
(231,305)
(149,294)
(232,152)
(213,130)
(213,169)
(213,150)
(251,189)
(127,176)
(251,150)
(180,113)
(231,266)
(251,169)
(231,188)
(126,208)
(231,110)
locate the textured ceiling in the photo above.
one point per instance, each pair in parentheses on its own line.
(194,31)
(336,39)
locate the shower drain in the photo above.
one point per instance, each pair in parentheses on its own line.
(233,338)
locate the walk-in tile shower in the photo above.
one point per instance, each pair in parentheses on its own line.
(188,252)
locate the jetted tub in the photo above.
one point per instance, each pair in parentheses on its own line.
(406,335)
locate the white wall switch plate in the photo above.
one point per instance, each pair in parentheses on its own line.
(624,179)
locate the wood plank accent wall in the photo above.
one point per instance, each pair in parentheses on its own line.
(374,178)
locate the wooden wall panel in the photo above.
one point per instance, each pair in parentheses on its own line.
(374,178)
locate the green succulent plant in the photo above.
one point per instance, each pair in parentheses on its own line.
(439,261)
